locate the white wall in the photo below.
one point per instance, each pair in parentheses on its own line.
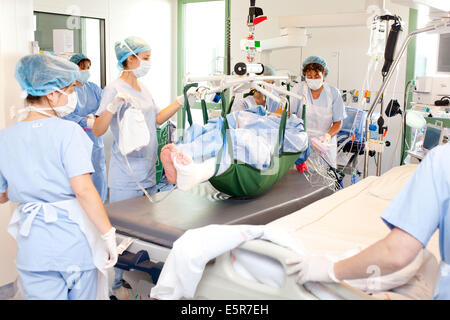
(16,34)
(344,48)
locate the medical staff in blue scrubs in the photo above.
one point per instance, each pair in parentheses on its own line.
(258,99)
(325,110)
(128,181)
(65,240)
(133,55)
(420,209)
(89,96)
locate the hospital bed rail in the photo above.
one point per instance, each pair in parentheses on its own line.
(220,281)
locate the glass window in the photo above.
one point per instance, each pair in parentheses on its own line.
(201,43)
(64,35)
(204,37)
(92,48)
(444,53)
(426,47)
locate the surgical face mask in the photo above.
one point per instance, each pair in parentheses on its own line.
(314,84)
(85,75)
(60,111)
(67,109)
(270,89)
(143,69)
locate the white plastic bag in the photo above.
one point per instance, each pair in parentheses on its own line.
(133,131)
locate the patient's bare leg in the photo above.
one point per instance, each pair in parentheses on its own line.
(167,154)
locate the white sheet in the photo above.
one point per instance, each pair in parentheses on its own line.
(349,219)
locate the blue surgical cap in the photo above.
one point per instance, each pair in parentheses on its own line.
(41,74)
(136,44)
(77,58)
(268,71)
(316,59)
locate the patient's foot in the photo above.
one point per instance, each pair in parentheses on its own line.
(167,154)
(182,159)
(190,174)
(181,170)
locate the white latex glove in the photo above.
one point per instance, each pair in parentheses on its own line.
(315,268)
(90,121)
(325,139)
(118,101)
(111,246)
(191,94)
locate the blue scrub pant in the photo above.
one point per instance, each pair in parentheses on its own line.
(54,285)
(116,195)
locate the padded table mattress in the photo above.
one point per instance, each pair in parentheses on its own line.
(164,222)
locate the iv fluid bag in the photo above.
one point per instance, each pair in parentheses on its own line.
(377,39)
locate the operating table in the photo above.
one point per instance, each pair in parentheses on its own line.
(156,226)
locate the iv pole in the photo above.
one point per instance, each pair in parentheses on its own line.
(388,78)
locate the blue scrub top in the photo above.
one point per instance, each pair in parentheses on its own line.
(142,162)
(38,159)
(423,206)
(89,97)
(336,98)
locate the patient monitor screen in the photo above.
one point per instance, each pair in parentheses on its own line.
(432,138)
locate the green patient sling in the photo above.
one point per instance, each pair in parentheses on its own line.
(241,180)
